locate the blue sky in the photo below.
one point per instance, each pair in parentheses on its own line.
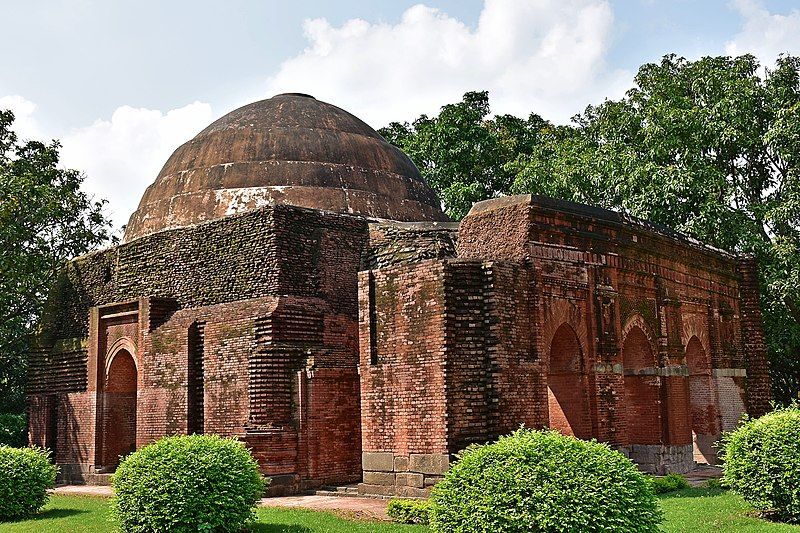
(123,83)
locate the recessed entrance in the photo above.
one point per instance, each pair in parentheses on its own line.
(642,389)
(119,420)
(702,405)
(566,388)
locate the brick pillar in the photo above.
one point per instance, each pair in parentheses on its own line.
(759,392)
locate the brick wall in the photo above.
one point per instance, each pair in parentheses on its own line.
(570,316)
(752,334)
(333,440)
(518,390)
(221,317)
(403,406)
(539,312)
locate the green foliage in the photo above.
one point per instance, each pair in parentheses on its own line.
(25,476)
(187,483)
(409,511)
(710,148)
(13,430)
(702,510)
(88,514)
(762,463)
(462,153)
(45,219)
(543,481)
(669,483)
(696,510)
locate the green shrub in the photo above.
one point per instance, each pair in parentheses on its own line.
(13,430)
(762,463)
(714,483)
(669,483)
(187,483)
(25,476)
(409,511)
(543,481)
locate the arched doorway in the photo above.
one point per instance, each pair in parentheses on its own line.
(566,388)
(119,424)
(642,389)
(702,403)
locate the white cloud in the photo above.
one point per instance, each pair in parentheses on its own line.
(25,124)
(764,34)
(122,156)
(546,56)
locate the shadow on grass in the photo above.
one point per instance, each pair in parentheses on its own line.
(694,492)
(279,528)
(52,514)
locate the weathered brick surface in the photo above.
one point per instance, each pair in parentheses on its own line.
(411,414)
(244,326)
(555,314)
(394,243)
(344,350)
(752,338)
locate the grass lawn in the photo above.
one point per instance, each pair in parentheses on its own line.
(700,510)
(690,510)
(86,514)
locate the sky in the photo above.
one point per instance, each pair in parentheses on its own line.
(122,84)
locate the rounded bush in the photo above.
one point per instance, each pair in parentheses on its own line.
(187,483)
(543,481)
(762,463)
(25,476)
(669,483)
(409,511)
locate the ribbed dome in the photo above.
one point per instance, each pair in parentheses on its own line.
(290,149)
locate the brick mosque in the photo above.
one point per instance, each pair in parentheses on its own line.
(290,279)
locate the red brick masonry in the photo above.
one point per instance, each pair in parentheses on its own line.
(346,349)
(555,314)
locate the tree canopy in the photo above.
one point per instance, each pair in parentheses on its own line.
(45,219)
(709,147)
(462,153)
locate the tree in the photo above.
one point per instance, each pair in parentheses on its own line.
(45,220)
(710,148)
(463,154)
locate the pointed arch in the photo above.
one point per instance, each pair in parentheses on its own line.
(568,401)
(122,345)
(120,388)
(703,411)
(642,405)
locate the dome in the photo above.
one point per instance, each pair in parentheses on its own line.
(289,149)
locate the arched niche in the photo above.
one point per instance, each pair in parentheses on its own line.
(119,407)
(642,405)
(703,411)
(567,399)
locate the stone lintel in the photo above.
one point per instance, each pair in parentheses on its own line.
(376,490)
(729,372)
(401,463)
(670,370)
(412,492)
(607,368)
